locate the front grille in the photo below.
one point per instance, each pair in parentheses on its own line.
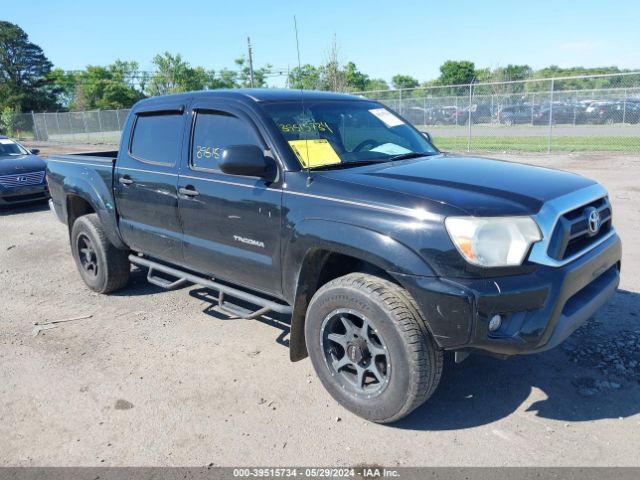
(571,234)
(22,179)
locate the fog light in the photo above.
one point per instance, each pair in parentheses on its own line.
(494,323)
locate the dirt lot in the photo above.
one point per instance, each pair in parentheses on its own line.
(161,378)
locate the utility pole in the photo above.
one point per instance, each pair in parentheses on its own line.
(250,62)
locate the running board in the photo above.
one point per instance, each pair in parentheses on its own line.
(162,282)
(229,308)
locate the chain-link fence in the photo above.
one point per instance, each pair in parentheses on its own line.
(96,126)
(585,113)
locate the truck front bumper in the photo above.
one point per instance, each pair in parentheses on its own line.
(538,310)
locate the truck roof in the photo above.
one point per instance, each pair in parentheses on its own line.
(255,95)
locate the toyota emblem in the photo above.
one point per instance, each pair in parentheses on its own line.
(594,221)
(22,179)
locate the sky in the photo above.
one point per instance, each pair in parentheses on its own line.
(383,38)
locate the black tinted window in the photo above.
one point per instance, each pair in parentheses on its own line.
(156,138)
(215,131)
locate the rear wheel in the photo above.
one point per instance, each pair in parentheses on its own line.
(370,348)
(103,267)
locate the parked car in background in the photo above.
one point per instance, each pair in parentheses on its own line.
(630,110)
(22,174)
(432,115)
(513,114)
(613,112)
(480,113)
(560,113)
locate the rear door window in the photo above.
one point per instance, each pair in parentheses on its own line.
(157,138)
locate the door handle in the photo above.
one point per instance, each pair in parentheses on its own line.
(125,180)
(188,191)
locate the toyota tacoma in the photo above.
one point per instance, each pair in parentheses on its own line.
(334,211)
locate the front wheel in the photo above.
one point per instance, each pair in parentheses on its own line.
(370,348)
(103,267)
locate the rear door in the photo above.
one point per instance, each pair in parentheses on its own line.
(231,223)
(145,183)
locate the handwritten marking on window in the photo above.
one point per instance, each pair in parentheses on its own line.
(208,152)
(305,127)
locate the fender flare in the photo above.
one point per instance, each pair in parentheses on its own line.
(314,239)
(101,200)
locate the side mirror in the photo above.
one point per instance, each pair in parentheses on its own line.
(35,151)
(427,135)
(246,160)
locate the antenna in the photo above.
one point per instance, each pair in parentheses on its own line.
(295,25)
(306,143)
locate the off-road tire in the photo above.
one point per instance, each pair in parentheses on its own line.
(415,360)
(112,265)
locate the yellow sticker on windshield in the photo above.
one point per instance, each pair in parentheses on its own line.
(315,152)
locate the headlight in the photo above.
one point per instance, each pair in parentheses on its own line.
(493,241)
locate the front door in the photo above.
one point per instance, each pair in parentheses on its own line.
(231,223)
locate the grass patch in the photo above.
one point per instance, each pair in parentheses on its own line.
(539,144)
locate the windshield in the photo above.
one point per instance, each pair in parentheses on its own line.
(343,132)
(9,147)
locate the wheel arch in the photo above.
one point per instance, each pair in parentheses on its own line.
(325,251)
(83,197)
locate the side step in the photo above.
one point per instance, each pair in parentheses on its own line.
(162,282)
(229,308)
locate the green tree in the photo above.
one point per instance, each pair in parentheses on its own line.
(581,83)
(306,77)
(483,75)
(7,119)
(355,80)
(244,75)
(173,75)
(376,84)
(516,72)
(62,85)
(224,79)
(404,81)
(23,71)
(457,72)
(115,86)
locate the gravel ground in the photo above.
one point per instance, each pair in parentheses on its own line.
(154,378)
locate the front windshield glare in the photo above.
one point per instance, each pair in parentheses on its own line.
(344,131)
(9,147)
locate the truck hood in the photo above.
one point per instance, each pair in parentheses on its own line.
(14,164)
(478,186)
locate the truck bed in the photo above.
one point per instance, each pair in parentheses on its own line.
(81,181)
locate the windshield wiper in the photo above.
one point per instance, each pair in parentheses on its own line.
(407,156)
(335,166)
(359,163)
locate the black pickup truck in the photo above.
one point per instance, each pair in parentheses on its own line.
(334,210)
